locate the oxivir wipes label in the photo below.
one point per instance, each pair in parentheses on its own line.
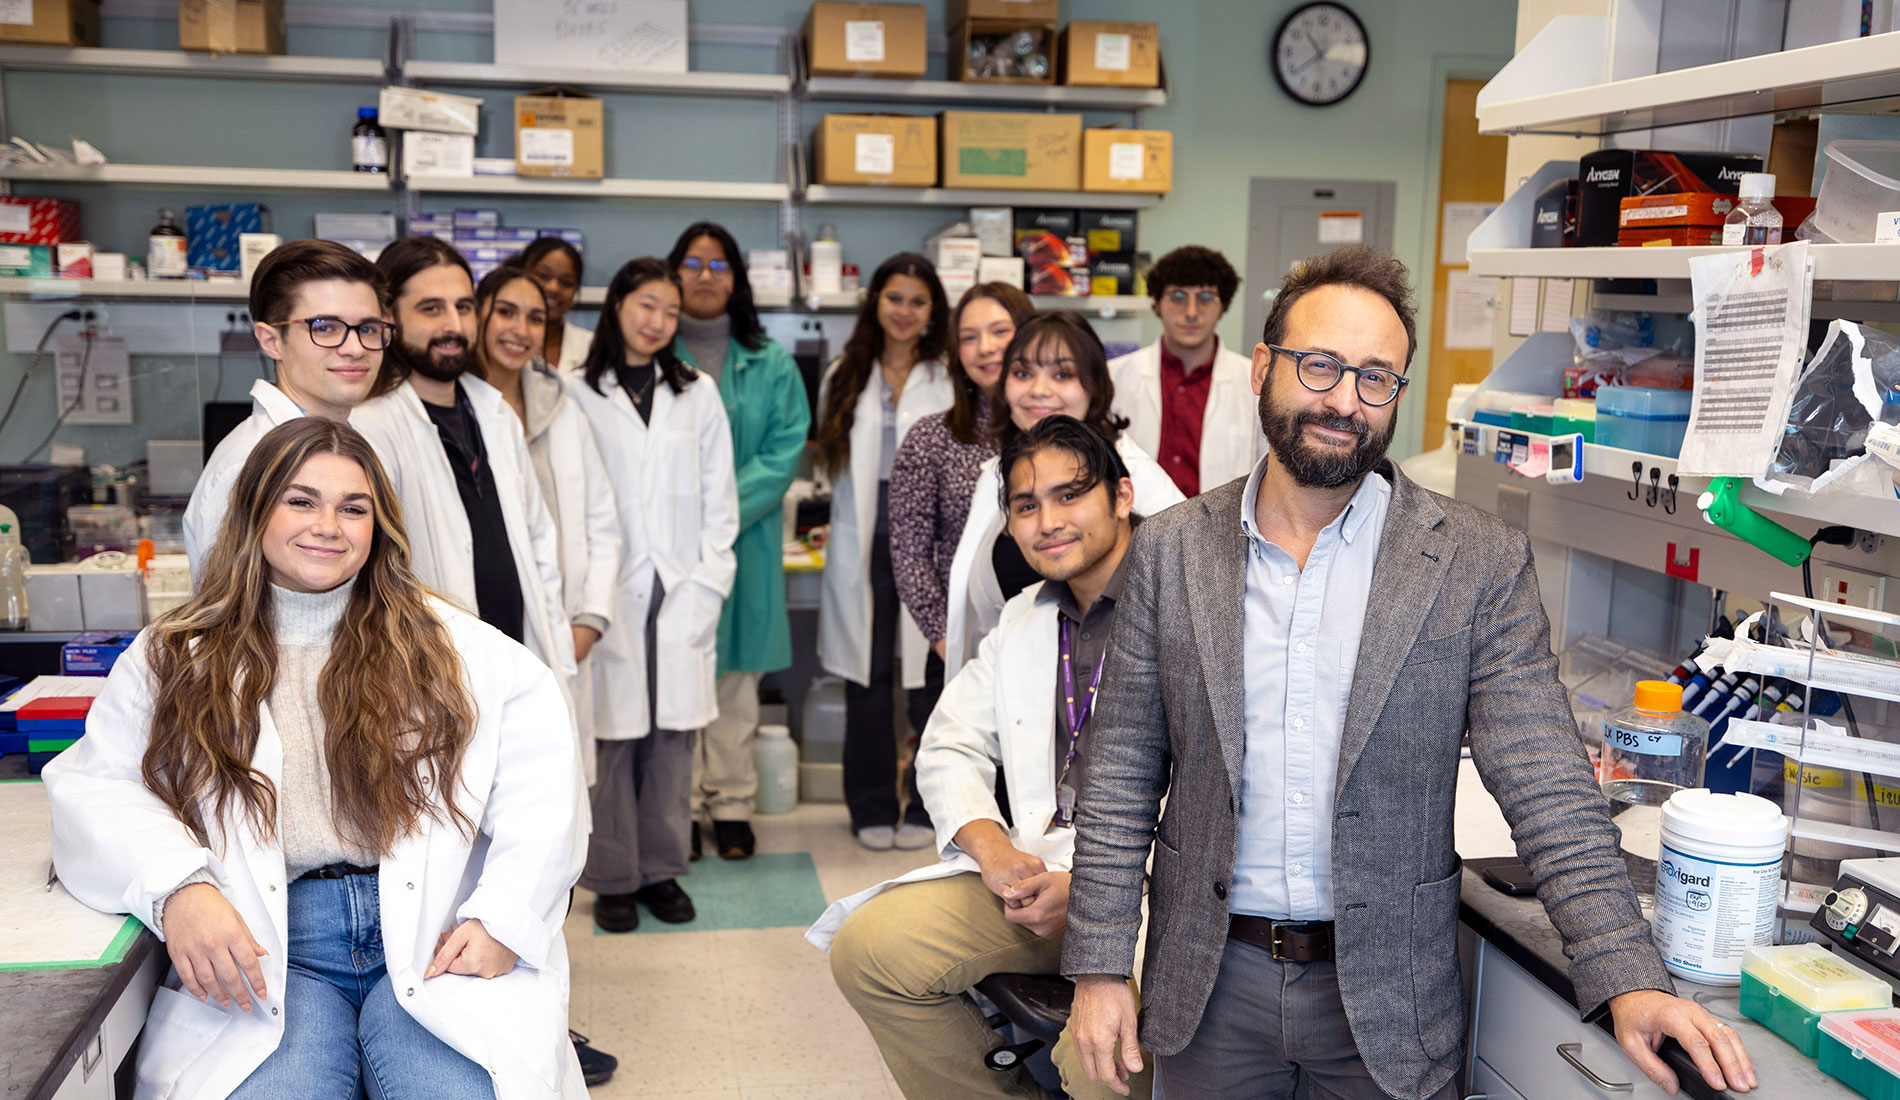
(1708,912)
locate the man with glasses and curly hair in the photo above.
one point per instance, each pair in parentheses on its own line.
(1297,658)
(321,314)
(1187,398)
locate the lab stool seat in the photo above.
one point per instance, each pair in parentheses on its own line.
(1036,1004)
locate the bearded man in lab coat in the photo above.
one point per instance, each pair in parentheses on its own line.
(904,952)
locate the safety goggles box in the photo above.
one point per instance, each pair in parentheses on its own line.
(866,39)
(38,221)
(212,232)
(1605,177)
(1019,152)
(1116,55)
(558,134)
(52,22)
(895,150)
(1128,160)
(26,261)
(224,26)
(1109,231)
(415,109)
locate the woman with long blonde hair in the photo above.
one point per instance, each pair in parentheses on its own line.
(350,809)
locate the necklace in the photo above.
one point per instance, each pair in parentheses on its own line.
(646,389)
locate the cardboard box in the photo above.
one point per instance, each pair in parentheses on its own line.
(878,39)
(1030,11)
(231,26)
(52,22)
(1606,176)
(1554,216)
(1017,152)
(110,267)
(1128,160)
(1114,55)
(898,150)
(1669,211)
(558,135)
(982,52)
(425,153)
(212,233)
(1001,269)
(26,261)
(954,254)
(1112,273)
(358,227)
(73,259)
(1058,281)
(415,109)
(38,221)
(1698,236)
(1109,231)
(625,35)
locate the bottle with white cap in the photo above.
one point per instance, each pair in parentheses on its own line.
(1754,219)
(13,563)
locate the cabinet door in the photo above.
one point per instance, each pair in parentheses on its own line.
(91,1076)
(1533,1039)
(1487,1085)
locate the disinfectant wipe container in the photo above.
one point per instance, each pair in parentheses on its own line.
(1788,989)
(1717,880)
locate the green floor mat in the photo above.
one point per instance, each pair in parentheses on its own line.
(770,890)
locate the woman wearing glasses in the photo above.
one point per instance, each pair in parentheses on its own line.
(1054,364)
(890,376)
(765,400)
(340,802)
(556,266)
(322,316)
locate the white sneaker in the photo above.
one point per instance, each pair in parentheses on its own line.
(878,838)
(912,837)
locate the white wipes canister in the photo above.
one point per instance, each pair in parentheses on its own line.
(1718,878)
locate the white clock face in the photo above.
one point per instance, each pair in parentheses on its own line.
(1320,53)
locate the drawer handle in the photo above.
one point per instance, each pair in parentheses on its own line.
(90,1058)
(1569,1051)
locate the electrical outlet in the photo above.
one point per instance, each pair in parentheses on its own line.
(1839,584)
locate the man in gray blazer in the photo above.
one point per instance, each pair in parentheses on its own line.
(1295,661)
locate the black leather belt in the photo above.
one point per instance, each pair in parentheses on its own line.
(337,870)
(1303,941)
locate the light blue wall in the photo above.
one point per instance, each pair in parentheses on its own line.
(1231,123)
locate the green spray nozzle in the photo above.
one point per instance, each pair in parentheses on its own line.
(1722,505)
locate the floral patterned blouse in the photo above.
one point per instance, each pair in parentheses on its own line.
(931,482)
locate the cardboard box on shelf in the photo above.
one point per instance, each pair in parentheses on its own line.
(876,39)
(231,26)
(1671,210)
(38,221)
(415,109)
(954,254)
(26,261)
(1607,175)
(212,233)
(1004,51)
(1114,55)
(1059,224)
(1033,11)
(1058,281)
(425,153)
(1023,152)
(626,35)
(1692,235)
(109,266)
(956,283)
(1112,273)
(896,150)
(358,227)
(1128,160)
(558,134)
(74,259)
(1001,269)
(1108,231)
(52,22)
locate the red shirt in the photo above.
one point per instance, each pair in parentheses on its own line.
(1183,406)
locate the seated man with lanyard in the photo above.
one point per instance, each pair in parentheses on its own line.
(905,952)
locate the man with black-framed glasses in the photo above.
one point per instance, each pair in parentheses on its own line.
(1297,658)
(1187,398)
(321,313)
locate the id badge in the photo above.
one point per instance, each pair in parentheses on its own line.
(1065,806)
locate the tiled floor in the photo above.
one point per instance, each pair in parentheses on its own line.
(736,1015)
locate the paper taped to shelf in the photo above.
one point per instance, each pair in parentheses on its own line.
(1751,320)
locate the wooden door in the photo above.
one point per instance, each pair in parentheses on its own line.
(1471,170)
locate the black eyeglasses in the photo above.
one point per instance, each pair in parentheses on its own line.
(330,332)
(1319,372)
(693,265)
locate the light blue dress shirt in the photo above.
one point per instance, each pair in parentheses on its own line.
(1302,630)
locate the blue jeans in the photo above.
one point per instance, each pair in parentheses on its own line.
(344,1034)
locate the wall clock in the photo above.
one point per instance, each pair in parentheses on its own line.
(1320,53)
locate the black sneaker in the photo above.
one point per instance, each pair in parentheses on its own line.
(734,839)
(694,854)
(597,1066)
(616,912)
(668,902)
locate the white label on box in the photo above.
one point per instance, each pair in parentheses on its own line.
(1125,160)
(18,13)
(1887,227)
(16,256)
(15,218)
(875,154)
(430,154)
(864,40)
(1111,52)
(548,147)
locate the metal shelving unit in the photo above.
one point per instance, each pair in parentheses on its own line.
(178,175)
(699,190)
(819,193)
(877,90)
(92,59)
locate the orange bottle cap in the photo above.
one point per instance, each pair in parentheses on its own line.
(1658,696)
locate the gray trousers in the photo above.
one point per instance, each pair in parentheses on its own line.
(1269,1027)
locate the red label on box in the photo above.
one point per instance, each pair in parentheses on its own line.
(38,221)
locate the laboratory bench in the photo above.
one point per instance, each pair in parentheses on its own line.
(1526,1041)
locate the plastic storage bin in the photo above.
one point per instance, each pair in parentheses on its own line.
(1494,406)
(1862,1049)
(1789,988)
(1533,417)
(1574,416)
(1636,418)
(1862,180)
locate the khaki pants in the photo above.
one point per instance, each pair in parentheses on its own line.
(904,960)
(725,776)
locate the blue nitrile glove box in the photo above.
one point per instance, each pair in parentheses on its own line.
(93,653)
(211,233)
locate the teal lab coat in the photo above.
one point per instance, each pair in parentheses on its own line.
(765,403)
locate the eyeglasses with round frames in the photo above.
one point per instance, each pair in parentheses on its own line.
(331,332)
(1201,297)
(693,265)
(1319,372)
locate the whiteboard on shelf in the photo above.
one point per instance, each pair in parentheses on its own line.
(622,35)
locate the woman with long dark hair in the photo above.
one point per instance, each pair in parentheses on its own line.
(312,743)
(1054,364)
(890,376)
(937,464)
(662,435)
(770,416)
(555,265)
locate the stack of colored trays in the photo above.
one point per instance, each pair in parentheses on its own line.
(1791,988)
(51,726)
(11,739)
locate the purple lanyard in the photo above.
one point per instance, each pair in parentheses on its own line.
(1077,718)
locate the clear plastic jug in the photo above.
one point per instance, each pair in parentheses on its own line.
(1651,750)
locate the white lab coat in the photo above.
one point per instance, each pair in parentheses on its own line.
(975,597)
(676,491)
(211,497)
(844,609)
(575,341)
(999,709)
(1231,438)
(121,850)
(441,546)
